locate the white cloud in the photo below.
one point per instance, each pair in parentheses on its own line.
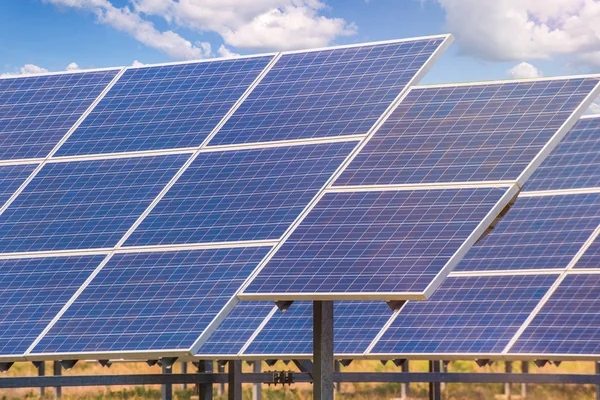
(126,20)
(137,63)
(226,53)
(524,70)
(27,69)
(257,25)
(594,108)
(509,30)
(73,67)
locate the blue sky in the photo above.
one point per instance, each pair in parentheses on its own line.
(543,37)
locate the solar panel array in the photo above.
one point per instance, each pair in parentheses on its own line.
(147,206)
(136,181)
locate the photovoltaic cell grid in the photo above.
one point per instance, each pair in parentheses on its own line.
(36,112)
(290,333)
(241,195)
(543,232)
(233,333)
(33,290)
(84,204)
(575,163)
(11,177)
(326,93)
(465,315)
(151,301)
(466,133)
(569,323)
(164,107)
(376,241)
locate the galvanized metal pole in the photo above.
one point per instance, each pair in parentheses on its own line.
(508,386)
(435,388)
(405,388)
(57,370)
(525,370)
(205,390)
(221,387)
(323,388)
(338,385)
(257,387)
(42,372)
(167,389)
(597,386)
(184,371)
(234,387)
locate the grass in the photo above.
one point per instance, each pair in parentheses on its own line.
(349,391)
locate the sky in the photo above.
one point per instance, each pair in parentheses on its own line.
(495,39)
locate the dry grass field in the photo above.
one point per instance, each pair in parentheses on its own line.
(361,391)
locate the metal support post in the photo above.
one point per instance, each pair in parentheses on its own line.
(338,385)
(42,372)
(234,387)
(323,350)
(167,389)
(221,387)
(508,386)
(184,371)
(205,390)
(405,387)
(597,386)
(525,370)
(257,387)
(57,370)
(435,388)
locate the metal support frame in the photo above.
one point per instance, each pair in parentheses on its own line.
(338,385)
(405,387)
(508,386)
(257,387)
(221,387)
(57,371)
(323,370)
(435,387)
(234,380)
(42,372)
(205,390)
(184,371)
(524,370)
(597,386)
(167,388)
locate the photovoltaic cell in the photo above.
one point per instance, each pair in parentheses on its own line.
(36,112)
(569,323)
(356,325)
(591,257)
(327,93)
(11,177)
(537,233)
(465,315)
(241,195)
(84,204)
(375,241)
(466,133)
(575,163)
(33,290)
(164,107)
(151,301)
(236,329)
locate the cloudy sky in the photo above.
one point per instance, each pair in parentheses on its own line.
(495,39)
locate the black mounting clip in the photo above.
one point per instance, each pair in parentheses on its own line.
(282,378)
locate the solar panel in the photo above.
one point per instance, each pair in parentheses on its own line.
(466,315)
(466,139)
(33,290)
(11,177)
(151,301)
(290,333)
(387,243)
(36,112)
(329,92)
(164,107)
(84,204)
(241,195)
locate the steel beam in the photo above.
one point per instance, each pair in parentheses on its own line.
(524,370)
(205,390)
(435,388)
(167,388)
(323,372)
(57,370)
(405,387)
(257,387)
(234,381)
(42,372)
(508,386)
(597,386)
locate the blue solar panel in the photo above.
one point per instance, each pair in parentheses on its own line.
(388,241)
(591,257)
(36,112)
(164,107)
(327,93)
(236,329)
(33,290)
(538,233)
(11,177)
(84,204)
(241,195)
(466,133)
(151,301)
(575,163)
(357,323)
(569,323)
(465,315)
